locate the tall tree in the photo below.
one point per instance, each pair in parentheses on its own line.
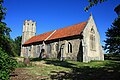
(112,42)
(7,64)
(92,3)
(5,41)
(17,43)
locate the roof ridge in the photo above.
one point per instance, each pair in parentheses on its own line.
(60,28)
(71,25)
(50,35)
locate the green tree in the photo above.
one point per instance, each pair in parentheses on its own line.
(5,41)
(17,42)
(92,3)
(7,64)
(112,42)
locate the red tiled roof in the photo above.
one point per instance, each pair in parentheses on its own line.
(60,33)
(38,38)
(68,31)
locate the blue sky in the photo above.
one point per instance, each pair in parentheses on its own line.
(55,14)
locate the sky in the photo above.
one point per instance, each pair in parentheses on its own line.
(54,14)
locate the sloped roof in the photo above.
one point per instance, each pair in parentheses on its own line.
(60,33)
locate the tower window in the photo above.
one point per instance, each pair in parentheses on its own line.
(69,47)
(27,23)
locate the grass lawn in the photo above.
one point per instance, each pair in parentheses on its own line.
(95,70)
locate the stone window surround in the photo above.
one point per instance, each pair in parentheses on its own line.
(69,47)
(92,40)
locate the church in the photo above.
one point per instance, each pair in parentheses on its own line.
(79,42)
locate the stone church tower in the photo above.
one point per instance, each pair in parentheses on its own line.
(29,30)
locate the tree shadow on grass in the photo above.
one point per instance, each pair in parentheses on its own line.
(110,71)
(113,64)
(60,63)
(36,59)
(55,62)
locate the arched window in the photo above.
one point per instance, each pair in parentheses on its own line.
(57,47)
(92,31)
(92,39)
(69,47)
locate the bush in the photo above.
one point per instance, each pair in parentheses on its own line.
(7,64)
(112,57)
(21,65)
